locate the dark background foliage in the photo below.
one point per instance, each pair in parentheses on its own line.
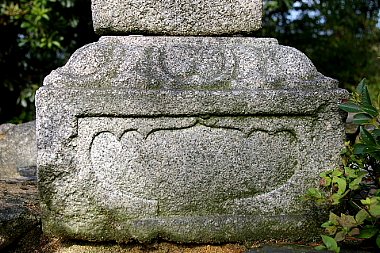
(37,36)
(341,37)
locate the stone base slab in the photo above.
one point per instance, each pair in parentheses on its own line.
(136,140)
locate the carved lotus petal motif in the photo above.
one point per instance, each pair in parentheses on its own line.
(199,165)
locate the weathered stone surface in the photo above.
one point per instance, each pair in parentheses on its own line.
(183,63)
(150,248)
(186,139)
(19,214)
(18,151)
(172,17)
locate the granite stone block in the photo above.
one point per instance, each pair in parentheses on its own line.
(202,140)
(18,151)
(172,17)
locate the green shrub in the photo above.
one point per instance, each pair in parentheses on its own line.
(352,190)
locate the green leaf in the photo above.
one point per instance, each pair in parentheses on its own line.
(25,25)
(362,119)
(365,149)
(347,221)
(331,230)
(366,201)
(333,218)
(360,149)
(362,174)
(325,173)
(349,172)
(45,16)
(368,232)
(326,224)
(361,216)
(370,110)
(336,198)
(361,86)
(354,232)
(374,210)
(350,107)
(313,192)
(378,240)
(320,247)
(337,173)
(340,236)
(57,44)
(342,184)
(366,137)
(376,133)
(366,99)
(375,154)
(363,92)
(326,181)
(330,243)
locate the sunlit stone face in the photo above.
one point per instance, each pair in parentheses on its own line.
(173,17)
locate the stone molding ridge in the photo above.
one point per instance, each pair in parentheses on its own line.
(189,63)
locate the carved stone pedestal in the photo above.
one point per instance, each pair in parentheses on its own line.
(189,139)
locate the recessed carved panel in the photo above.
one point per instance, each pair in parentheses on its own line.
(169,166)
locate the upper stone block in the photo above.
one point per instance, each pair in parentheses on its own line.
(174,17)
